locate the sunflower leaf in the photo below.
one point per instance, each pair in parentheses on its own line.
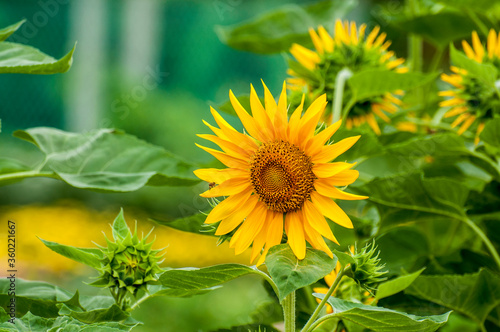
(381,319)
(473,295)
(103,160)
(372,83)
(482,71)
(88,256)
(491,135)
(192,224)
(277,30)
(290,273)
(192,281)
(397,285)
(22,59)
(7,31)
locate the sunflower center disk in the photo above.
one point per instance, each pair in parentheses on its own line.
(282,176)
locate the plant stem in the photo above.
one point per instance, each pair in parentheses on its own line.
(320,306)
(338,99)
(321,320)
(485,239)
(289,312)
(142,299)
(26,174)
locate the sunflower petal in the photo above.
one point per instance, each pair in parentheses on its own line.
(326,170)
(331,210)
(220,175)
(247,232)
(229,187)
(227,207)
(295,232)
(326,38)
(245,118)
(323,188)
(226,159)
(330,152)
(230,223)
(317,221)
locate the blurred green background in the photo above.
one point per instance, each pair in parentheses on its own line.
(151,68)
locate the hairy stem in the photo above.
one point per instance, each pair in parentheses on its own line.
(289,312)
(338,98)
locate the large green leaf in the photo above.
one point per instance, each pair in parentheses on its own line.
(382,319)
(440,196)
(439,28)
(88,256)
(194,280)
(473,295)
(250,327)
(397,285)
(290,273)
(372,83)
(111,314)
(403,249)
(105,160)
(275,31)
(7,31)
(32,323)
(23,59)
(491,135)
(485,72)
(38,297)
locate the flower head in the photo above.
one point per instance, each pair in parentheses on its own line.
(349,48)
(472,100)
(128,264)
(279,176)
(367,271)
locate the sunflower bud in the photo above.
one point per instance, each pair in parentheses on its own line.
(367,270)
(128,264)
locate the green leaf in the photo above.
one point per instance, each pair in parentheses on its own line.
(487,73)
(480,6)
(343,257)
(192,224)
(439,28)
(111,314)
(473,295)
(31,323)
(403,248)
(194,280)
(157,291)
(491,135)
(439,196)
(23,59)
(277,30)
(38,297)
(382,319)
(397,285)
(104,160)
(120,228)
(7,31)
(249,327)
(373,83)
(88,256)
(290,273)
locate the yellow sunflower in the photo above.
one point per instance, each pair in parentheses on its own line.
(471,99)
(279,176)
(349,48)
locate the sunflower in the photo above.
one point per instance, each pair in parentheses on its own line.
(350,48)
(472,100)
(279,176)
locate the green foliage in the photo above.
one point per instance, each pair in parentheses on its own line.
(193,224)
(22,59)
(276,31)
(473,295)
(290,274)
(491,136)
(372,83)
(382,319)
(194,281)
(104,160)
(397,285)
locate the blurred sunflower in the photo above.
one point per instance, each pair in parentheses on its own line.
(280,173)
(471,99)
(316,71)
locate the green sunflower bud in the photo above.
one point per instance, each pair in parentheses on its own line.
(367,270)
(129,264)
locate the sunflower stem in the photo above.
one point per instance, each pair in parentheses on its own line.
(485,239)
(310,322)
(289,312)
(338,99)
